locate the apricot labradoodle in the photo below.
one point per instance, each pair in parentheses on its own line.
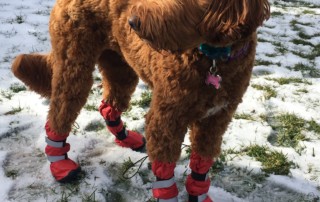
(197,56)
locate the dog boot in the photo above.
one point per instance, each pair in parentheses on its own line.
(124,138)
(198,183)
(165,188)
(62,168)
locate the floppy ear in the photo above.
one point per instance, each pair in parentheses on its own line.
(257,12)
(167,24)
(234,17)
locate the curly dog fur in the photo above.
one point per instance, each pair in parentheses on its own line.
(162,51)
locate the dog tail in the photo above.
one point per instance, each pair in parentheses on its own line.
(35,71)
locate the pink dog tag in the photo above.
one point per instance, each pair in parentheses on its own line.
(214,80)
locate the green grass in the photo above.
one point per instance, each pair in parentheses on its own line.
(64,197)
(301,42)
(244,116)
(293,24)
(262,62)
(311,12)
(90,107)
(14,110)
(11,174)
(313,126)
(283,81)
(144,101)
(279,47)
(303,35)
(289,130)
(302,54)
(303,90)
(269,92)
(20,19)
(89,197)
(16,87)
(6,94)
(219,164)
(262,40)
(94,126)
(273,162)
(271,55)
(97,78)
(221,161)
(276,14)
(306,70)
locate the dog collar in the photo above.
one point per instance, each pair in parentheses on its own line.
(223,53)
(215,53)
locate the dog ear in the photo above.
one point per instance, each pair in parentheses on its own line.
(234,18)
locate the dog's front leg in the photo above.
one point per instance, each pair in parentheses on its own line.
(206,138)
(166,126)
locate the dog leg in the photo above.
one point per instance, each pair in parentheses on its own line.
(35,71)
(119,82)
(166,126)
(118,79)
(71,83)
(206,138)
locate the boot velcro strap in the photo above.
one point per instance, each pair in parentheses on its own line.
(163,183)
(122,134)
(175,199)
(53,159)
(113,123)
(197,198)
(198,176)
(55,143)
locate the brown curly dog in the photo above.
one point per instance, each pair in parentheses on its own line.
(197,56)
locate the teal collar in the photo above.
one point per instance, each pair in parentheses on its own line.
(224,53)
(215,53)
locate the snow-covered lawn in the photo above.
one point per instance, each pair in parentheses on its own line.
(271,151)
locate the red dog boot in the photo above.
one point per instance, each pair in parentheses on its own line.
(124,138)
(198,183)
(62,168)
(165,188)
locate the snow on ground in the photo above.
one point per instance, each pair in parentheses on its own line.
(285,84)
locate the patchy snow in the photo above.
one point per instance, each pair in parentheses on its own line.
(289,41)
(5,183)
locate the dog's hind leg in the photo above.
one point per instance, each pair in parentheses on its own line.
(119,82)
(71,83)
(35,71)
(74,55)
(206,138)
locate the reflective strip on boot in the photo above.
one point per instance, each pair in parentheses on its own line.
(53,159)
(161,192)
(163,183)
(197,198)
(56,144)
(175,199)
